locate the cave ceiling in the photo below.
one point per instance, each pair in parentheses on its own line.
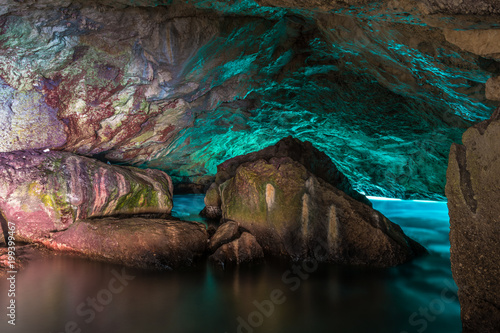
(383,87)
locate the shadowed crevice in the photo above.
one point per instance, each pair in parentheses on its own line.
(465,179)
(5,228)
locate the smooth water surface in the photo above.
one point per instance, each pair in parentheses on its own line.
(187,207)
(416,297)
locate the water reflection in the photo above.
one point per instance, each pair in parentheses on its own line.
(206,299)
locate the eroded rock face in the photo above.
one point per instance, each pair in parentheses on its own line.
(493,88)
(43,192)
(423,7)
(169,86)
(473,191)
(315,161)
(296,214)
(134,242)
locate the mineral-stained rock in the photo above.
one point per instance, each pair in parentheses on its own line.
(473,191)
(314,160)
(135,242)
(47,191)
(296,214)
(244,249)
(184,86)
(421,7)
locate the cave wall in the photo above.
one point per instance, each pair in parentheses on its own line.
(473,192)
(183,87)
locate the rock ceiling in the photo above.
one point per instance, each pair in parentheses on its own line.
(383,87)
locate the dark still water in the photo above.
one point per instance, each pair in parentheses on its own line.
(57,295)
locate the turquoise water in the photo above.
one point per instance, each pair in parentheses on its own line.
(187,207)
(416,297)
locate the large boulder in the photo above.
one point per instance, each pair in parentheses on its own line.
(43,192)
(473,191)
(134,242)
(314,160)
(292,212)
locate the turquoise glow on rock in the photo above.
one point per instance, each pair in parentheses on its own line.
(386,112)
(383,94)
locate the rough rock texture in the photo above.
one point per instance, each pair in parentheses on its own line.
(26,121)
(296,214)
(493,88)
(233,245)
(47,191)
(315,161)
(462,7)
(473,191)
(480,42)
(183,87)
(422,7)
(226,233)
(244,249)
(213,203)
(135,242)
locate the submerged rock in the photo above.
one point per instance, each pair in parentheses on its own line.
(134,242)
(24,253)
(46,192)
(232,244)
(473,191)
(294,213)
(244,249)
(226,233)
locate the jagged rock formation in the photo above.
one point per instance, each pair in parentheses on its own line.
(297,213)
(44,192)
(383,87)
(473,191)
